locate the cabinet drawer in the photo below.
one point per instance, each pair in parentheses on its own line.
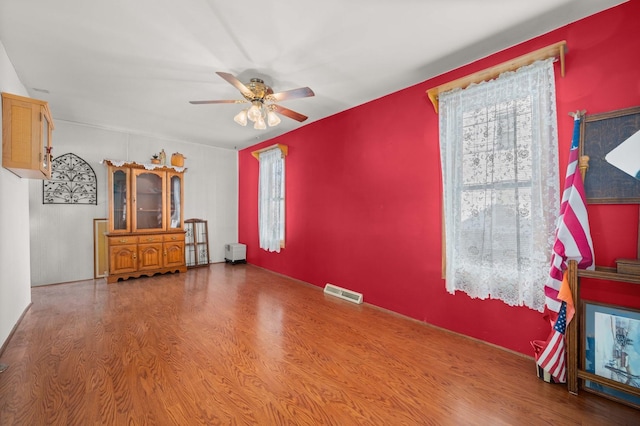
(174,237)
(150,239)
(116,241)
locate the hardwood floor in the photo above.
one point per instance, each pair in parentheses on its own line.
(235,344)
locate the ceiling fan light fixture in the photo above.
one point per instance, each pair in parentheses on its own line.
(241,118)
(255,111)
(262,98)
(260,124)
(273,119)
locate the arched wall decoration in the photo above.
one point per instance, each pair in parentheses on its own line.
(73,181)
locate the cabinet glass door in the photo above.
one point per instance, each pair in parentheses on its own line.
(119,203)
(175,201)
(148,202)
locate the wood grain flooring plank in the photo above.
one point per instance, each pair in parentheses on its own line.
(239,345)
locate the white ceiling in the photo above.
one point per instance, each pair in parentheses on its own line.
(133,65)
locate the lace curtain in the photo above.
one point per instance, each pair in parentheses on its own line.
(271,200)
(499,145)
(175,202)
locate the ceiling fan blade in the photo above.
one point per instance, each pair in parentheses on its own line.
(289,113)
(237,84)
(225,101)
(302,92)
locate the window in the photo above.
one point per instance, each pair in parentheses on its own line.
(499,146)
(271,198)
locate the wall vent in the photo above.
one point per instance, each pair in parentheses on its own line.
(343,293)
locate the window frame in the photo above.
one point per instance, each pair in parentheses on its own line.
(284,149)
(555,50)
(486,117)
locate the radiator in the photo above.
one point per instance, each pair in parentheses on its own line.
(235,253)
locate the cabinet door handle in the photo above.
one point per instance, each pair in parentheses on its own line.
(165,252)
(134,256)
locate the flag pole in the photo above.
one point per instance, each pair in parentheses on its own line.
(572,330)
(572,277)
(572,242)
(583,161)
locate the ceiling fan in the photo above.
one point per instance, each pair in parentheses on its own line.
(262,101)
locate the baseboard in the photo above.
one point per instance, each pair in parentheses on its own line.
(475,339)
(13,330)
(423,323)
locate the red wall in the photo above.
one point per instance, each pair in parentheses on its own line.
(363,190)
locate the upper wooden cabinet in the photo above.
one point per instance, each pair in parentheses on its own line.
(26,136)
(144,199)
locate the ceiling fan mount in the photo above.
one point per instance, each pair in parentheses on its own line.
(259,90)
(260,95)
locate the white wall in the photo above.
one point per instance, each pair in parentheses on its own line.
(62,235)
(15,291)
(53,243)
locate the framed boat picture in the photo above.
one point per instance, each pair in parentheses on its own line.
(611,351)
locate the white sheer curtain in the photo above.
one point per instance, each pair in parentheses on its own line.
(271,200)
(499,146)
(175,203)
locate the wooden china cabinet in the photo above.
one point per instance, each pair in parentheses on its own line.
(146,220)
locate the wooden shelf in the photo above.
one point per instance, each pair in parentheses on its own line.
(575,331)
(605,273)
(585,375)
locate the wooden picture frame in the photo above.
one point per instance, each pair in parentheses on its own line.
(100,255)
(599,134)
(611,351)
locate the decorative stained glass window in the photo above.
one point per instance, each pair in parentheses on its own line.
(73,181)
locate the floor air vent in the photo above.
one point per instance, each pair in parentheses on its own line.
(343,293)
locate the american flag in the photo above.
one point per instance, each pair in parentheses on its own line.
(573,242)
